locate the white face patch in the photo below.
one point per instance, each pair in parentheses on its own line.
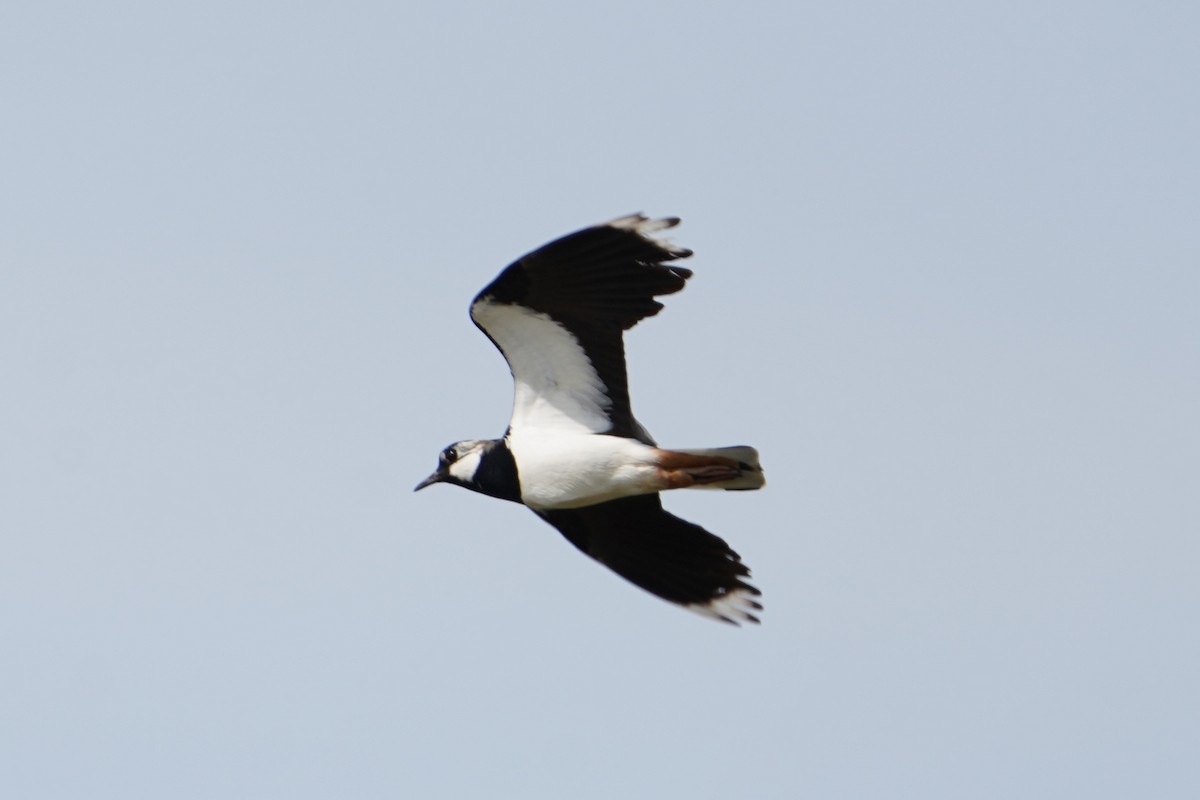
(469,455)
(555,385)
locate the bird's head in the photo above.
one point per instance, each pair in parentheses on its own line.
(458,464)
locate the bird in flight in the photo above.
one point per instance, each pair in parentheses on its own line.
(573,452)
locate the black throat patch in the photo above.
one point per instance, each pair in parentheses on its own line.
(497,473)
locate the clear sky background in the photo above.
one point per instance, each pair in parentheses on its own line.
(947,280)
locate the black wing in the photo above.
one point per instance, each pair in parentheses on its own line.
(595,284)
(665,555)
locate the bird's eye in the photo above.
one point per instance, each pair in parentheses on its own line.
(449,456)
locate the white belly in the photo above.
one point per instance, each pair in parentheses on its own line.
(576,470)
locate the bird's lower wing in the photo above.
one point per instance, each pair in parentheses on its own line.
(665,555)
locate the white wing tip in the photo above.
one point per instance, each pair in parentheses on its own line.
(645,227)
(735,607)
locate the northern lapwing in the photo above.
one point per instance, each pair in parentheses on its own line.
(573,452)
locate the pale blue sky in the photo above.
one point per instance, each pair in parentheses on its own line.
(946,280)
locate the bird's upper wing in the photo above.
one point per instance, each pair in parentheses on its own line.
(665,555)
(557,315)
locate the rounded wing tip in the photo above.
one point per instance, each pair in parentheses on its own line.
(643,224)
(646,227)
(733,607)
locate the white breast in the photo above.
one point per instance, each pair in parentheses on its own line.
(572,471)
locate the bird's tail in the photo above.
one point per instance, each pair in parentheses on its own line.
(730,468)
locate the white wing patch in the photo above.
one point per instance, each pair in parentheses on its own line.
(556,388)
